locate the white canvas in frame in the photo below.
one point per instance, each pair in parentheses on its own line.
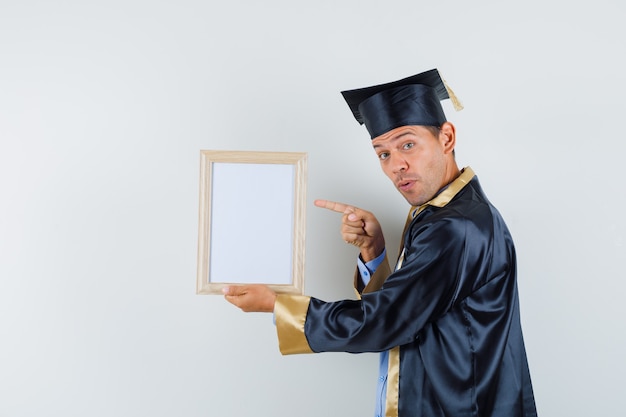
(251,220)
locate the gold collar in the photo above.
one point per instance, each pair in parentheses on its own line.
(446,195)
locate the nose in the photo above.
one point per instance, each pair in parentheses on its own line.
(398,163)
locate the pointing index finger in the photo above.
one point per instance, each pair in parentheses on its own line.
(334,206)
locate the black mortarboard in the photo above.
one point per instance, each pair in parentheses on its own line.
(414,100)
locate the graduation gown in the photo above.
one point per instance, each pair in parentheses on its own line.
(449,315)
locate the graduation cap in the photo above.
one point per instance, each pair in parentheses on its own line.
(414,100)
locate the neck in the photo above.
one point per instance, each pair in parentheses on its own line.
(452,173)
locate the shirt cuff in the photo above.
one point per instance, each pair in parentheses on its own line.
(367,269)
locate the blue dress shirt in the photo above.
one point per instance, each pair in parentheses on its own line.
(366,269)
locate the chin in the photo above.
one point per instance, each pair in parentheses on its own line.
(411,200)
(415,201)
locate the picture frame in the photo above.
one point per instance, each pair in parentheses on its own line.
(251,226)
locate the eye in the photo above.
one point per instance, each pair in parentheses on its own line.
(383,155)
(408,145)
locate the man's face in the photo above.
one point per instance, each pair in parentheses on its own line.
(415,160)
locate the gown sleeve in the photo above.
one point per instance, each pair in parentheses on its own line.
(441,266)
(290,312)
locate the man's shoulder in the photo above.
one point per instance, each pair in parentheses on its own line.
(468,206)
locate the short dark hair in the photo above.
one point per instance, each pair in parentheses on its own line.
(435,131)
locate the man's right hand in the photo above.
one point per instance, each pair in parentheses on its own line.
(359,228)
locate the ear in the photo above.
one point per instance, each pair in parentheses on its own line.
(447,137)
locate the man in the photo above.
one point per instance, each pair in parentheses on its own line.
(447,318)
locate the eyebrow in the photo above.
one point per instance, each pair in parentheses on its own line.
(395,138)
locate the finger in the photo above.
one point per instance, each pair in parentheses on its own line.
(234,290)
(333,205)
(354,240)
(355,228)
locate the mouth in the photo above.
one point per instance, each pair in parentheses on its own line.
(405,185)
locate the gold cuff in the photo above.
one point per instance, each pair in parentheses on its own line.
(290,314)
(379,277)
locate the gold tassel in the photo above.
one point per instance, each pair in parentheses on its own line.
(458,106)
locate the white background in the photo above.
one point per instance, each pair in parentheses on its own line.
(253,203)
(105,105)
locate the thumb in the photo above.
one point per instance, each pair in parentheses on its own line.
(351,212)
(233,290)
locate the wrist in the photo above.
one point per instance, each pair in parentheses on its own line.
(369,254)
(272,303)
